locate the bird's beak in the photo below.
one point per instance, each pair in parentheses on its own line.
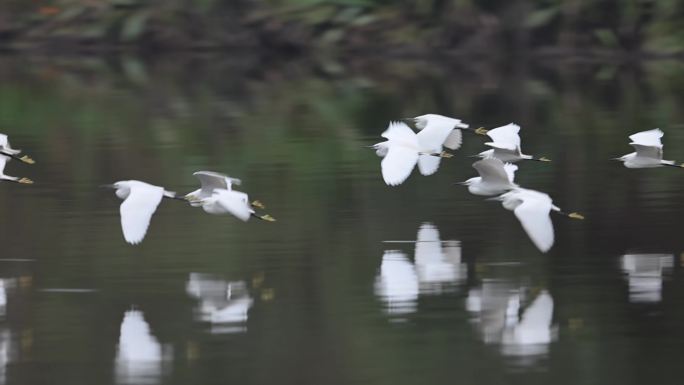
(464,183)
(107,186)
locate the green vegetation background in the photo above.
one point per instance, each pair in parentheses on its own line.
(635,26)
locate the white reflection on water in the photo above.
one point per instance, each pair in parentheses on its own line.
(496,308)
(397,283)
(140,356)
(224,304)
(645,275)
(438,263)
(436,270)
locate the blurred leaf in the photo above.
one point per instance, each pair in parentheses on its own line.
(134,26)
(541,17)
(606,37)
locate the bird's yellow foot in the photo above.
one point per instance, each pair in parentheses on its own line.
(267,218)
(25,181)
(445,154)
(481,131)
(26,159)
(258,204)
(544,159)
(267,294)
(576,216)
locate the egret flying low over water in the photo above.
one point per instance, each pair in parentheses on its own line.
(455,138)
(140,202)
(506,145)
(227,201)
(3,162)
(533,208)
(7,150)
(212,181)
(649,151)
(404,148)
(495,177)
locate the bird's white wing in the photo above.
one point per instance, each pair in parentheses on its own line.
(648,138)
(645,151)
(492,171)
(533,214)
(428,164)
(398,164)
(510,171)
(235,202)
(213,180)
(402,134)
(5,145)
(454,140)
(435,134)
(428,245)
(506,134)
(137,210)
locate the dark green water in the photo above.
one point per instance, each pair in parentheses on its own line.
(311,301)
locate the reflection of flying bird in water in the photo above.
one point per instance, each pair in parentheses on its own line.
(224,304)
(397,283)
(139,355)
(645,275)
(438,263)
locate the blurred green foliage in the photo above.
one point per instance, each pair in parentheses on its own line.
(647,26)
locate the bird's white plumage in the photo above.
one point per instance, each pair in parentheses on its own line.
(495,177)
(507,134)
(428,164)
(434,135)
(649,150)
(648,138)
(140,202)
(229,202)
(454,140)
(532,208)
(213,180)
(3,163)
(401,153)
(6,147)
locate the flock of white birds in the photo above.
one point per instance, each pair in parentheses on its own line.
(401,152)
(405,148)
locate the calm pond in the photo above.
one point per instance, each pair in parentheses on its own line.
(337,291)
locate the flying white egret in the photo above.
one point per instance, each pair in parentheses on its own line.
(3,162)
(495,177)
(404,148)
(140,202)
(506,145)
(7,150)
(231,202)
(211,181)
(455,137)
(533,208)
(649,151)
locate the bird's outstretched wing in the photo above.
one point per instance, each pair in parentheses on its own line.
(398,164)
(137,210)
(492,171)
(213,180)
(504,146)
(507,134)
(428,164)
(654,152)
(510,171)
(454,140)
(402,134)
(435,134)
(534,215)
(235,202)
(648,138)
